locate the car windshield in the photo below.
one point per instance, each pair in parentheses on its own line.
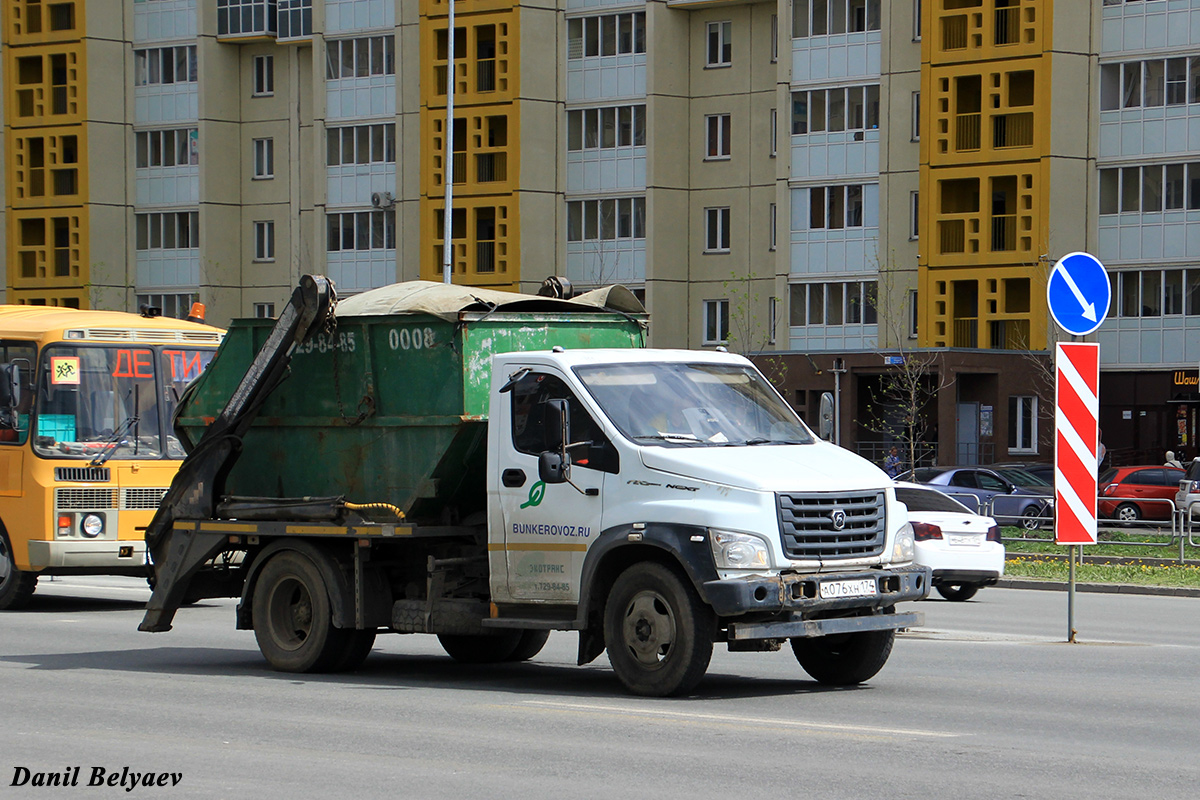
(929,500)
(1193,472)
(693,405)
(1020,477)
(100,403)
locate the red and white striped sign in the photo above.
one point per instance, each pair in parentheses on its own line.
(1077,439)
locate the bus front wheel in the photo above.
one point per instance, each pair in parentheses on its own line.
(16,586)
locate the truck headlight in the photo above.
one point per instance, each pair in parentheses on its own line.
(737,550)
(91,526)
(903,549)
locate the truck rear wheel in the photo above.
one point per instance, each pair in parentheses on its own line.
(293,623)
(844,659)
(481,648)
(658,632)
(16,586)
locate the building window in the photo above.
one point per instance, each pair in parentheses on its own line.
(916,116)
(914,215)
(264,159)
(264,310)
(1022,424)
(774,38)
(1150,84)
(612,218)
(717,127)
(844,108)
(772,318)
(361,230)
(916,20)
(264,240)
(825,17)
(835,207)
(169,148)
(833,303)
(1158,292)
(913,310)
(716,321)
(246,17)
(164,65)
(361,144)
(172,306)
(295,19)
(716,230)
(1150,189)
(772,218)
(606,128)
(174,230)
(720,44)
(606,35)
(774,132)
(360,58)
(264,75)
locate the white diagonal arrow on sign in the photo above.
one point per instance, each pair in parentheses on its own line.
(1089,309)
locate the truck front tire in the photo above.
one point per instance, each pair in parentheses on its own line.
(844,659)
(293,623)
(658,632)
(16,586)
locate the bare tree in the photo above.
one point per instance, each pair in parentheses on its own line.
(749,334)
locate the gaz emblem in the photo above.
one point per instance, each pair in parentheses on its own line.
(838,518)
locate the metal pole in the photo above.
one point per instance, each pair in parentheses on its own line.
(1071,595)
(448,216)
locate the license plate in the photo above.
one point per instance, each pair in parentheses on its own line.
(961,539)
(831,590)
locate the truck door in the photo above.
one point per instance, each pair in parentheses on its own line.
(547,527)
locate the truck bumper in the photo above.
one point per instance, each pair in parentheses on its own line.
(94,554)
(797,599)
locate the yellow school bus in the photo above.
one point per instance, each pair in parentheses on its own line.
(86,445)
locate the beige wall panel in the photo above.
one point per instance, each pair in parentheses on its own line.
(221,85)
(221,246)
(107,80)
(1073,96)
(540,47)
(540,139)
(667,235)
(669,147)
(279,105)
(667,50)
(220,164)
(717,80)
(539,215)
(110,256)
(408,239)
(763,169)
(720,172)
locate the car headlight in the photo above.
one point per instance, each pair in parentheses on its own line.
(737,550)
(903,549)
(91,526)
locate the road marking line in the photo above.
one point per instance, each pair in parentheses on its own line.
(730,718)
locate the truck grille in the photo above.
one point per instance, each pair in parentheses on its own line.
(141,498)
(85,499)
(808,524)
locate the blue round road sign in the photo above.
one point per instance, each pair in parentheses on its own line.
(1078,293)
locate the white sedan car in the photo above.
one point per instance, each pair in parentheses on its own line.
(961,547)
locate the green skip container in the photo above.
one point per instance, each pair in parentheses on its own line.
(390,406)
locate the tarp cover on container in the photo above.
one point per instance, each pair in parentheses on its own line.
(447,301)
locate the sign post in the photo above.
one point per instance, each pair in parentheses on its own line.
(1078,294)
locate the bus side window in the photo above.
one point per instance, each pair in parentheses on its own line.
(20,358)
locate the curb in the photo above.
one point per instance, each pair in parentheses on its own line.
(1099,588)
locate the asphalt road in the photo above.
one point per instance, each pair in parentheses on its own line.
(986,700)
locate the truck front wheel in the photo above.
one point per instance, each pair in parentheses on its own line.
(844,659)
(292,620)
(658,632)
(16,586)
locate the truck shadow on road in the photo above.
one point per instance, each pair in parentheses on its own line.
(384,672)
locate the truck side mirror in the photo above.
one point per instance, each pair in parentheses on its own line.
(826,416)
(558,425)
(554,467)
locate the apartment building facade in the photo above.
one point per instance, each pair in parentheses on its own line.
(854,189)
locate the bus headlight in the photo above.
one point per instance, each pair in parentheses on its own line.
(91,526)
(737,550)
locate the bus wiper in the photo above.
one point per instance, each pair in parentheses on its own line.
(114,441)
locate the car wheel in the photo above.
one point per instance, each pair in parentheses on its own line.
(958,591)
(1127,513)
(1031,518)
(658,632)
(844,659)
(16,586)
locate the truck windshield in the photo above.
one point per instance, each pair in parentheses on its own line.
(692,405)
(100,403)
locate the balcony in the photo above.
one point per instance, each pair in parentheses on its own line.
(1012,130)
(954,32)
(1009,334)
(485,75)
(1008,26)
(952,236)
(491,167)
(1004,232)
(485,256)
(966,132)
(966,332)
(247,19)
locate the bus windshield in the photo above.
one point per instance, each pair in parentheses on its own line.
(100,403)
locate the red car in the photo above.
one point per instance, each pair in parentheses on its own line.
(1123,490)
